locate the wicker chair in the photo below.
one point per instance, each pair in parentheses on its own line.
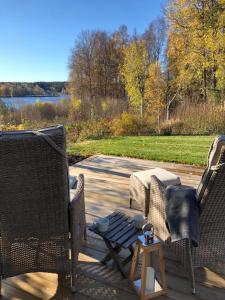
(211,195)
(39,223)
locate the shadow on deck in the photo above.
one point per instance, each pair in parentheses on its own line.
(106,189)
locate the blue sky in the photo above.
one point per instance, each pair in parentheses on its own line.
(37,35)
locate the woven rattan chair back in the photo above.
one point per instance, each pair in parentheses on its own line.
(34,202)
(211,195)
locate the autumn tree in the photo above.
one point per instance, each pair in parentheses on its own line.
(196,47)
(135,71)
(155,90)
(94,64)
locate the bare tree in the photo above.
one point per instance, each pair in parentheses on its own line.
(155,37)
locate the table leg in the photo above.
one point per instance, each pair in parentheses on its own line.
(115,257)
(109,255)
(134,262)
(162,269)
(129,258)
(143,275)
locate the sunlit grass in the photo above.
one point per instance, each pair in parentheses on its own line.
(179,149)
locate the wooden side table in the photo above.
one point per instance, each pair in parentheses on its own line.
(121,234)
(140,284)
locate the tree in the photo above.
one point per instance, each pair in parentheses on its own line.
(196,46)
(3,108)
(94,64)
(134,71)
(154,38)
(82,65)
(155,90)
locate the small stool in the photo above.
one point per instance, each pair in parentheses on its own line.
(140,284)
(140,184)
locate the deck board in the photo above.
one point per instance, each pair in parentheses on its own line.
(106,189)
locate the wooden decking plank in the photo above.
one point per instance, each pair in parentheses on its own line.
(35,284)
(107,161)
(11,292)
(182,285)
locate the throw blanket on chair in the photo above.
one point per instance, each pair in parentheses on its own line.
(182,214)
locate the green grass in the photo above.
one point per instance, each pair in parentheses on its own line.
(180,149)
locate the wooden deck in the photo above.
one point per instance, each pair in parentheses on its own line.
(106,189)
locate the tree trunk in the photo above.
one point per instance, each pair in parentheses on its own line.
(167,112)
(141,112)
(158,122)
(205,85)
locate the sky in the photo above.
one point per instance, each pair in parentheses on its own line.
(36,36)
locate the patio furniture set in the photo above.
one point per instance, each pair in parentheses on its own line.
(42,211)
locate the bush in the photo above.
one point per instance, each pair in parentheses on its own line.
(127,124)
(201,119)
(12,127)
(173,126)
(95,129)
(74,131)
(47,110)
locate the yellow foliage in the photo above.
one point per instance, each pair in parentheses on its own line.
(196,42)
(155,88)
(12,127)
(134,71)
(76,104)
(105,105)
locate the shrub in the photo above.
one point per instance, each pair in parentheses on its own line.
(201,119)
(74,131)
(95,129)
(127,124)
(47,110)
(12,127)
(173,126)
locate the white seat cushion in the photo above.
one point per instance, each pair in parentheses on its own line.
(164,176)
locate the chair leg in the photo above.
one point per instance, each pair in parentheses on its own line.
(73,278)
(0,286)
(85,233)
(131,202)
(191,267)
(73,265)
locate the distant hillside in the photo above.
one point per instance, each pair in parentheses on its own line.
(23,89)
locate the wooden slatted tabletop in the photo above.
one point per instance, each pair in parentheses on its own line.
(121,233)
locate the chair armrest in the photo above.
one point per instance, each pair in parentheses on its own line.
(157,213)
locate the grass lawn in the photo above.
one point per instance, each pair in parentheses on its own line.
(179,149)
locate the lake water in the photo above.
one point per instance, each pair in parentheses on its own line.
(21,101)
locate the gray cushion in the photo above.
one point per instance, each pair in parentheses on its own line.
(182,213)
(164,176)
(72,181)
